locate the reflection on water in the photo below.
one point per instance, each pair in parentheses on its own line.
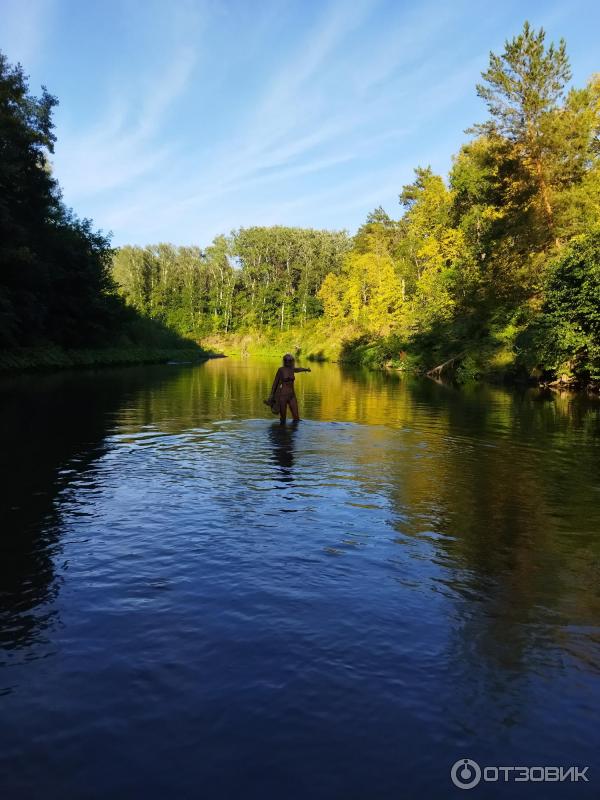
(201,597)
(282,441)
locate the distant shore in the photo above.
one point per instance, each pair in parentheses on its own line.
(315,343)
(53,357)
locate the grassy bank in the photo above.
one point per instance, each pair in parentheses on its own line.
(313,342)
(490,356)
(466,354)
(32,358)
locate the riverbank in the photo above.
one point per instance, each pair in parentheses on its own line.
(494,358)
(50,358)
(312,342)
(349,345)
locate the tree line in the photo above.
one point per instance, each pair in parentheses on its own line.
(499,263)
(502,260)
(55,269)
(56,283)
(495,267)
(255,277)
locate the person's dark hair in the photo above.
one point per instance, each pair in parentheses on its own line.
(288,358)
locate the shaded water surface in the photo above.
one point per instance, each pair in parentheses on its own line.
(196,602)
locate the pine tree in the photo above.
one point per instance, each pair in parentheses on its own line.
(522,88)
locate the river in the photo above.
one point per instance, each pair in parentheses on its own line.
(198,603)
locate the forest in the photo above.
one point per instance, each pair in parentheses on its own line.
(59,304)
(495,268)
(491,271)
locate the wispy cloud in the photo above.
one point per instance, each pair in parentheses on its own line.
(298,120)
(224,114)
(121,146)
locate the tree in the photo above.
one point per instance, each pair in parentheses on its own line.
(522,89)
(257,277)
(222,283)
(565,334)
(55,283)
(577,175)
(282,269)
(379,232)
(366,294)
(431,248)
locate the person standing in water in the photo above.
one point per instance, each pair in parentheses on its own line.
(282,392)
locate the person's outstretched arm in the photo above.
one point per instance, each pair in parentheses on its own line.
(301,369)
(276,382)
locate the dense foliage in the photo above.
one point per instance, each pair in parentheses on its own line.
(55,270)
(499,264)
(492,270)
(565,334)
(495,268)
(56,286)
(256,277)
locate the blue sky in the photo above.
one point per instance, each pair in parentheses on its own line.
(182,119)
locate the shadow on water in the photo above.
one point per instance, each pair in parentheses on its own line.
(53,428)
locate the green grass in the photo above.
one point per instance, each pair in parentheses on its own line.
(489,353)
(313,342)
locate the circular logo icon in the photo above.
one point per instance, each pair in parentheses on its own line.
(465,773)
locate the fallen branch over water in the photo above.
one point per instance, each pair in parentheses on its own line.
(436,372)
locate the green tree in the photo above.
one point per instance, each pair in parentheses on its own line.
(55,283)
(367,293)
(564,336)
(222,283)
(522,88)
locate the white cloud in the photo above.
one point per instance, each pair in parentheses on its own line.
(118,150)
(351,101)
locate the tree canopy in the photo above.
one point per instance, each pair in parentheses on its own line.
(498,259)
(56,283)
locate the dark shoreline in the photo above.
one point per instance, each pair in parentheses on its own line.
(34,359)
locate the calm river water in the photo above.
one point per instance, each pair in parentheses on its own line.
(197,603)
